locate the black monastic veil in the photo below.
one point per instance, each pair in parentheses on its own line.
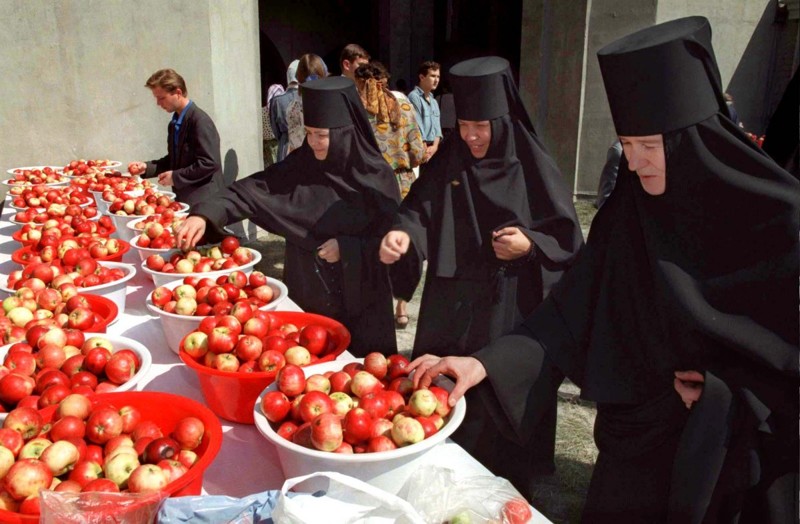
(351,195)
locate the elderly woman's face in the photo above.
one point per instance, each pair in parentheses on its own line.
(477,134)
(318,139)
(645,156)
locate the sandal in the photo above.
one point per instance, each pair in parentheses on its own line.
(400,321)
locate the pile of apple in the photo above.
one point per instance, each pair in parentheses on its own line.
(28,177)
(86,167)
(113,179)
(70,212)
(52,362)
(227,255)
(43,196)
(169,219)
(201,297)
(147,204)
(361,408)
(250,340)
(67,251)
(85,273)
(89,447)
(64,308)
(76,227)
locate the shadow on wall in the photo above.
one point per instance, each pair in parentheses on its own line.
(245,229)
(230,167)
(763,72)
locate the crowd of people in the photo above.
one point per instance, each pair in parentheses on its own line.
(677,317)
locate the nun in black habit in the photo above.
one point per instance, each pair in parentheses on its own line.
(496,223)
(332,200)
(680,316)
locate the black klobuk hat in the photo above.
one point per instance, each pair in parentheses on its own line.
(478,88)
(662,78)
(326,102)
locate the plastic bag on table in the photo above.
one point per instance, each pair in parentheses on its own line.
(218,509)
(346,500)
(439,495)
(98,507)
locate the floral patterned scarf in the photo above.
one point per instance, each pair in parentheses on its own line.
(379,101)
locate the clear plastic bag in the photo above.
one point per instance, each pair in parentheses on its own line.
(442,496)
(99,507)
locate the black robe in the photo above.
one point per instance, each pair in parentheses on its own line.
(470,297)
(703,277)
(350,196)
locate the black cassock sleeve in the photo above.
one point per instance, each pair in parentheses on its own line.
(523,380)
(252,198)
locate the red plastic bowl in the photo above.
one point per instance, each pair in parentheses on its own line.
(165,409)
(105,312)
(231,395)
(17,256)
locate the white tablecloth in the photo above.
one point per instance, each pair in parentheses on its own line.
(247,463)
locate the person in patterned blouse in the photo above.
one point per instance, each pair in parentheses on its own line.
(397,133)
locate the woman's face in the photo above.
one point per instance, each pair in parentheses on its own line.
(319,140)
(645,156)
(477,134)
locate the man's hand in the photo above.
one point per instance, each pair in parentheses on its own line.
(137,168)
(467,371)
(190,232)
(510,243)
(329,251)
(165,178)
(393,246)
(689,385)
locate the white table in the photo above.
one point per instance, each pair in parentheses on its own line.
(247,463)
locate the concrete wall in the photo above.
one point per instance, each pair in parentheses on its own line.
(746,42)
(551,74)
(74,74)
(608,20)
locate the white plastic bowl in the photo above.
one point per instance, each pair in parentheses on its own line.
(162,279)
(121,222)
(18,223)
(387,470)
(59,169)
(177,326)
(115,291)
(60,183)
(119,342)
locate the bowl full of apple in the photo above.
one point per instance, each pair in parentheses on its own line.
(52,362)
(42,169)
(125,210)
(32,234)
(361,418)
(47,306)
(234,362)
(31,177)
(107,279)
(182,304)
(137,442)
(65,251)
(54,211)
(155,234)
(205,261)
(43,196)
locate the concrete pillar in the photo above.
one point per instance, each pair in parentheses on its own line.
(74,74)
(551,74)
(608,20)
